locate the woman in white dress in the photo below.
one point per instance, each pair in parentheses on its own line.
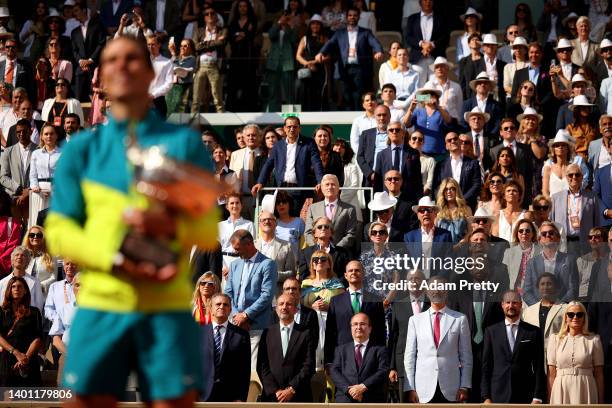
(562,154)
(42,265)
(511,210)
(519,50)
(427,163)
(42,169)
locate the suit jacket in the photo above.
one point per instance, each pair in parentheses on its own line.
(110,19)
(338,325)
(469,70)
(594,149)
(413,35)
(513,376)
(449,365)
(12,137)
(492,107)
(512,259)
(172,16)
(340,258)
(442,240)
(366,152)
(294,369)
(404,220)
(544,85)
(601,73)
(259,291)
(344,223)
(600,322)
(410,169)
(306,156)
(11,175)
(592,55)
(589,214)
(602,186)
(372,373)
(469,181)
(89,47)
(308,319)
(23,76)
(566,273)
(281,253)
(231,383)
(401,314)
(282,54)
(599,283)
(367,44)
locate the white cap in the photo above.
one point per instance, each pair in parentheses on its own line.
(382,201)
(425,201)
(519,42)
(490,39)
(476,111)
(471,11)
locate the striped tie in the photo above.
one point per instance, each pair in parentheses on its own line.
(218,347)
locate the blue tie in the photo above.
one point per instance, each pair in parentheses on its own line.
(217,347)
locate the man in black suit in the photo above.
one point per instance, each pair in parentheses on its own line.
(604,64)
(481,141)
(227,355)
(539,74)
(403,309)
(513,358)
(323,232)
(369,142)
(286,360)
(404,219)
(403,158)
(426,34)
(345,305)
(489,58)
(482,87)
(171,20)
(523,156)
(111,12)
(25,112)
(304,315)
(465,170)
(16,71)
(360,367)
(88,39)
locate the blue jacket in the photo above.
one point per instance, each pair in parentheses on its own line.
(469,181)
(442,238)
(367,45)
(306,156)
(603,188)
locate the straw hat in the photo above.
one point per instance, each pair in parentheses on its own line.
(470,12)
(529,111)
(425,201)
(490,39)
(482,77)
(563,44)
(519,42)
(580,100)
(441,61)
(382,201)
(425,90)
(476,111)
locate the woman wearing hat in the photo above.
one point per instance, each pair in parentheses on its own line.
(519,50)
(310,83)
(581,129)
(56,26)
(471,24)
(33,28)
(562,153)
(469,63)
(454,211)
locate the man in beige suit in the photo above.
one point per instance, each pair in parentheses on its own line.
(242,162)
(549,311)
(342,215)
(586,52)
(278,250)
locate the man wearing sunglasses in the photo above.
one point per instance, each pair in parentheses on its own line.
(602,184)
(16,71)
(323,232)
(576,210)
(560,264)
(277,250)
(476,120)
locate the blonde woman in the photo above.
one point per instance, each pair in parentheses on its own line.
(454,211)
(206,287)
(42,265)
(575,361)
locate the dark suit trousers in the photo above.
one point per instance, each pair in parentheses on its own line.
(82,84)
(608,375)
(474,395)
(160,106)
(438,397)
(355,84)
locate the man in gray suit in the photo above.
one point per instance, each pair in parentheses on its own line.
(577,210)
(278,250)
(439,349)
(598,149)
(342,215)
(15,169)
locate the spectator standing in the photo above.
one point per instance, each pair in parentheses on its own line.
(524,21)
(426,35)
(111,13)
(505,52)
(430,119)
(229,226)
(184,65)
(61,67)
(451,98)
(207,285)
(563,72)
(364,122)
(242,163)
(275,249)
(311,77)
(323,233)
(416,141)
(33,28)
(390,65)
(330,160)
(519,61)
(471,24)
(483,98)
(163,17)
(582,129)
(20,259)
(280,64)
(585,51)
(406,78)
(524,247)
(454,211)
(162,83)
(16,71)
(10,234)
(137,27)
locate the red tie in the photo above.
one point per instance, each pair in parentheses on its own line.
(437,328)
(8,75)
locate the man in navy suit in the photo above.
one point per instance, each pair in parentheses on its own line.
(371,142)
(354,45)
(438,239)
(111,12)
(360,366)
(290,160)
(17,71)
(344,306)
(426,34)
(403,158)
(603,181)
(482,87)
(465,170)
(227,356)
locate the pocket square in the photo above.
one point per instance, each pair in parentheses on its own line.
(525,341)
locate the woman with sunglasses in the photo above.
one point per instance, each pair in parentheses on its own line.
(529,133)
(506,165)
(207,286)
(44,84)
(20,337)
(575,361)
(42,265)
(524,21)
(519,54)
(288,227)
(511,210)
(562,154)
(416,141)
(56,108)
(526,97)
(491,195)
(60,67)
(524,247)
(454,211)
(378,234)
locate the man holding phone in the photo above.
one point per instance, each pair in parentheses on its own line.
(561,74)
(133,24)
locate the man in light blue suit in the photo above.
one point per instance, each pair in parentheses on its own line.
(438,356)
(251,284)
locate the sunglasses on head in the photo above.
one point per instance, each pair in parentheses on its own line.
(380,232)
(578,315)
(319,259)
(323,227)
(38,235)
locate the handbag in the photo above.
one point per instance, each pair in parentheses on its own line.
(304,73)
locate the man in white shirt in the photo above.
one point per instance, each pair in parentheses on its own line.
(452,96)
(388,96)
(242,162)
(365,121)
(61,297)
(405,78)
(162,83)
(10,117)
(562,73)
(20,258)
(476,120)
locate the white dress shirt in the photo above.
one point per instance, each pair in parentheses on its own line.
(451,98)
(426,26)
(352,39)
(456,168)
(162,83)
(362,350)
(222,331)
(59,299)
(290,174)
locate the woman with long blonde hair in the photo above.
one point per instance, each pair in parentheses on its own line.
(454,211)
(575,361)
(206,287)
(42,265)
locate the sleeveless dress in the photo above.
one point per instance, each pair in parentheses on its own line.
(505,229)
(557,184)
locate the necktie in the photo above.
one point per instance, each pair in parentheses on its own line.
(285,339)
(478,337)
(437,328)
(10,70)
(355,303)
(511,339)
(330,211)
(396,158)
(477,145)
(217,347)
(358,356)
(416,307)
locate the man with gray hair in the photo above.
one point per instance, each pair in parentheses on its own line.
(242,163)
(20,258)
(278,250)
(342,215)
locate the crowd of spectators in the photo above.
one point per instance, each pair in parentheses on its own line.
(464,146)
